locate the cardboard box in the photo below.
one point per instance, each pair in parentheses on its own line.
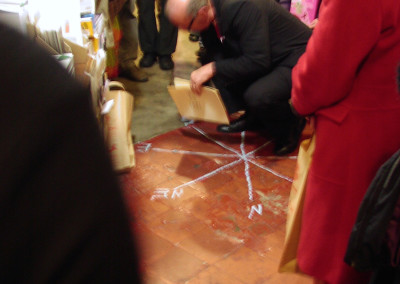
(81,61)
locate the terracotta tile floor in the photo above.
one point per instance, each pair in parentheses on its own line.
(210,208)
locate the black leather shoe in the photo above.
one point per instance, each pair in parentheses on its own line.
(202,56)
(165,62)
(237,125)
(288,144)
(194,37)
(148,60)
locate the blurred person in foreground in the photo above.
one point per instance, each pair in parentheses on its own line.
(252,46)
(346,80)
(62,215)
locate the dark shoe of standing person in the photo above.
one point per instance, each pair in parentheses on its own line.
(194,37)
(237,125)
(286,145)
(148,60)
(129,69)
(165,62)
(203,57)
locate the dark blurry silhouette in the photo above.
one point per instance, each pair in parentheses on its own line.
(62,215)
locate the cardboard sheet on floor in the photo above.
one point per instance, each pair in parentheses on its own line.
(208,106)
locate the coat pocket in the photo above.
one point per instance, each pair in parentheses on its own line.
(336,113)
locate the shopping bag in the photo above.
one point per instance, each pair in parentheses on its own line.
(288,261)
(117,126)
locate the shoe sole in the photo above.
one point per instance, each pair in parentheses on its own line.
(166,69)
(147,65)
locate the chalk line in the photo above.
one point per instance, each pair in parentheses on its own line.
(272,171)
(209,174)
(258,148)
(215,141)
(246,166)
(193,152)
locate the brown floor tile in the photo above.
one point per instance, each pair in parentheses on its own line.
(146,177)
(269,245)
(274,243)
(236,189)
(274,200)
(152,278)
(288,278)
(260,227)
(209,175)
(232,219)
(151,246)
(213,275)
(177,266)
(200,167)
(221,212)
(264,176)
(210,245)
(247,266)
(175,225)
(144,209)
(273,221)
(149,278)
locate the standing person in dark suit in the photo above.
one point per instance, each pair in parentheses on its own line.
(62,215)
(156,43)
(253,46)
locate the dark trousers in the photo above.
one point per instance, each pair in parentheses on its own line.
(128,46)
(152,40)
(265,100)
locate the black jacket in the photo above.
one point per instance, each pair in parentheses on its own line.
(255,36)
(374,240)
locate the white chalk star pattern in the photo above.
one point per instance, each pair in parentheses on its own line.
(239,156)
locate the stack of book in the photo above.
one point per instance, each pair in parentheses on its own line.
(54,39)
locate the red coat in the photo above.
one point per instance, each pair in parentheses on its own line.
(347,79)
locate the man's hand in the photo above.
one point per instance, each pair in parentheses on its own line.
(200,76)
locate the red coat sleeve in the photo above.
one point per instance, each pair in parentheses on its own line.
(344,36)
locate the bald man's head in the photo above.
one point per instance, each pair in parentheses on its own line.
(176,11)
(183,13)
